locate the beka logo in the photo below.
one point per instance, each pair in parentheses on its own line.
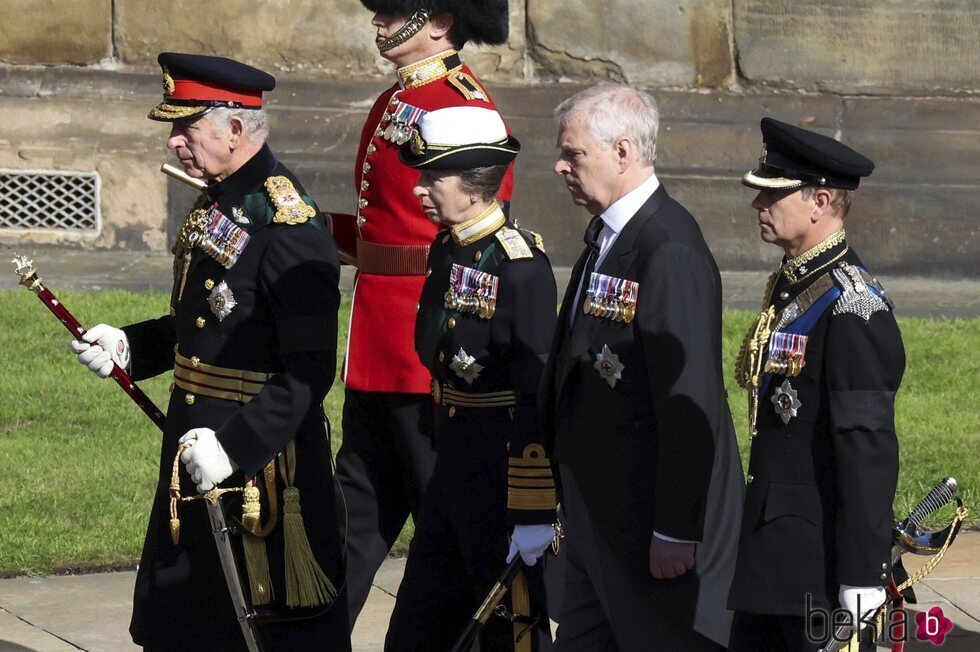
(932,626)
(825,626)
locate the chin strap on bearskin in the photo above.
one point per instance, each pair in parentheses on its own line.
(407,31)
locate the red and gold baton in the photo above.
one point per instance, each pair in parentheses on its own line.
(29,279)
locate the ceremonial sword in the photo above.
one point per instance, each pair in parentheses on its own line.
(482,615)
(907,538)
(245,615)
(496,594)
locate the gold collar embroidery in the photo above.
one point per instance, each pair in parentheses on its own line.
(428,70)
(480,226)
(796,268)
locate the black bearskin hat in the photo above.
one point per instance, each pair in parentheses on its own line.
(479,21)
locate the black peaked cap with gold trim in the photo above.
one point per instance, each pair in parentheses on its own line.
(794,157)
(481,21)
(193,84)
(459,138)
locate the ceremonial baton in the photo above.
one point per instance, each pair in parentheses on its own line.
(29,279)
(183,177)
(907,538)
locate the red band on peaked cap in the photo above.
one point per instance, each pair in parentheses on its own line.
(189,89)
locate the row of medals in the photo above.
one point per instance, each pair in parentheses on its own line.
(477,305)
(398,132)
(613,309)
(789,367)
(197,236)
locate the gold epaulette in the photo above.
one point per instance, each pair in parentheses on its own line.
(290,207)
(468,86)
(530,484)
(515,247)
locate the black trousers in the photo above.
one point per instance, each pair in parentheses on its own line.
(460,548)
(753,632)
(383,466)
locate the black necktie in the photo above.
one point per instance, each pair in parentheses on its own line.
(592,241)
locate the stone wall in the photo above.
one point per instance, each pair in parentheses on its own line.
(896,79)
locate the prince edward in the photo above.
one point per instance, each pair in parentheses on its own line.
(822,366)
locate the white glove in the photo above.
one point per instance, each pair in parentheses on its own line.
(867,599)
(530,541)
(100,347)
(206,460)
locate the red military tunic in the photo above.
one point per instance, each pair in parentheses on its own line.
(389,237)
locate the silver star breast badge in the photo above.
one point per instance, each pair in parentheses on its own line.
(785,401)
(608,365)
(221,300)
(465,366)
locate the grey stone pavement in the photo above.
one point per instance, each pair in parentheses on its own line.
(91,612)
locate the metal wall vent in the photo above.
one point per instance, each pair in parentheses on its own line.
(50,200)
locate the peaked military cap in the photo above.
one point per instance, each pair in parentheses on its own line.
(794,157)
(459,138)
(479,21)
(193,84)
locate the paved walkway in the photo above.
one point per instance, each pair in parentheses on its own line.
(91,612)
(76,269)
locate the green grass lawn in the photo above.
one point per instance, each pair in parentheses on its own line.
(80,459)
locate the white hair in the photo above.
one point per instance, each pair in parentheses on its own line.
(610,111)
(255,122)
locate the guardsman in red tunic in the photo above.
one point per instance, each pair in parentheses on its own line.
(387,455)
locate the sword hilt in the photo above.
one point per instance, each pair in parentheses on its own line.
(938,497)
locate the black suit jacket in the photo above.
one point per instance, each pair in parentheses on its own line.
(657,451)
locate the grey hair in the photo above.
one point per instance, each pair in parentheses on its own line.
(483,181)
(840,199)
(254,121)
(610,111)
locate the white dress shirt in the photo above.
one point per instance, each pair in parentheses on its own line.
(614,220)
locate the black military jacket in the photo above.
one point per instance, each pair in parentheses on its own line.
(284,286)
(824,465)
(508,346)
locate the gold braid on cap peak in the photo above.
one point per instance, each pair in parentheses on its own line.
(174,112)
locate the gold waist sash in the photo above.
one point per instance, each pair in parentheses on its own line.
(192,375)
(446,395)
